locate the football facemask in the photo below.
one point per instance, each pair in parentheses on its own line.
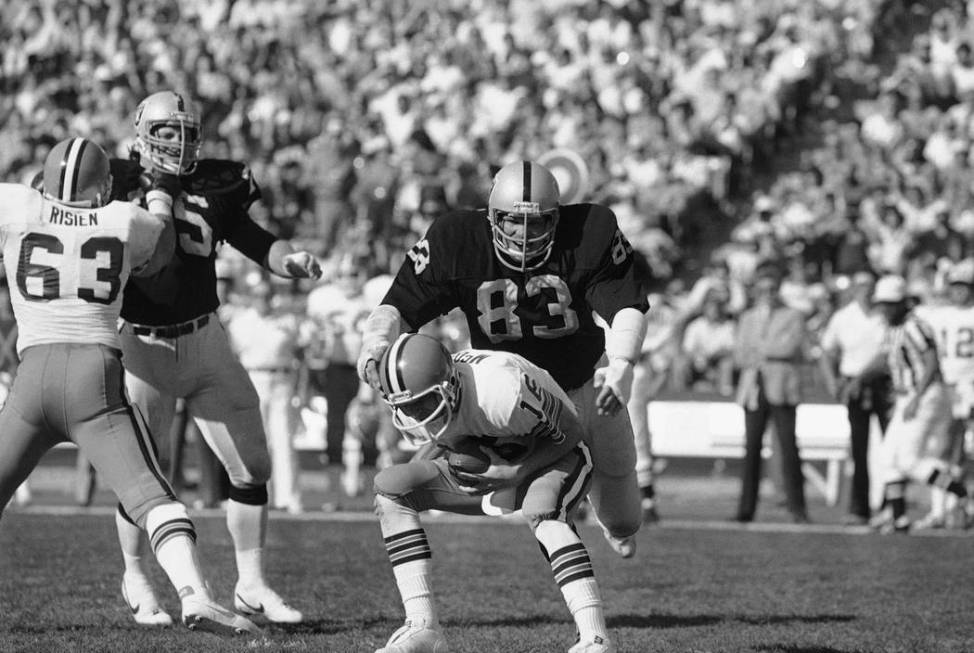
(523,214)
(76,173)
(419,382)
(168,133)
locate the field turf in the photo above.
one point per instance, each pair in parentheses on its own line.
(690,588)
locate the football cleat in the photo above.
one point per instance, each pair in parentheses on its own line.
(930,521)
(202,614)
(594,645)
(416,637)
(624,546)
(266,602)
(142,602)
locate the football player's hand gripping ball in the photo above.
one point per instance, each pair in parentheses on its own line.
(302,265)
(614,383)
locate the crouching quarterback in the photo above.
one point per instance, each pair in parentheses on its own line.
(528,272)
(511,440)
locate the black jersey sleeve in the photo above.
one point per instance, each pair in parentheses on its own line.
(232,185)
(423,288)
(613,283)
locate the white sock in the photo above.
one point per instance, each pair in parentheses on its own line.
(410,555)
(573,572)
(250,567)
(173,540)
(132,543)
(248,528)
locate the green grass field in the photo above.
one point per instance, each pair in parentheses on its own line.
(689,589)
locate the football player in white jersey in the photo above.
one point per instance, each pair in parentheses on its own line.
(914,441)
(953,326)
(523,432)
(68,253)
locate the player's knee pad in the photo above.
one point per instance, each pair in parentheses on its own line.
(392,483)
(251,495)
(166,521)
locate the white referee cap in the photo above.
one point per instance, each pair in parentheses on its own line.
(890,289)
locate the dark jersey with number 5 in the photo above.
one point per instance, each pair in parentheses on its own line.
(545,314)
(213,208)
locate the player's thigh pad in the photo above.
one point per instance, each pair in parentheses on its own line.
(554,492)
(425,485)
(227,410)
(609,437)
(110,432)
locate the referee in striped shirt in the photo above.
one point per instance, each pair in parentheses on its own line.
(921,414)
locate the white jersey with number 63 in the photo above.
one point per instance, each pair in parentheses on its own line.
(66,266)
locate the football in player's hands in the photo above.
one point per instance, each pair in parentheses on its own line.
(467,457)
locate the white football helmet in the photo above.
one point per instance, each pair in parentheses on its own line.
(76,173)
(419,381)
(176,156)
(525,194)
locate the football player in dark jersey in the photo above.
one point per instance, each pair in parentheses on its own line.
(528,273)
(174,345)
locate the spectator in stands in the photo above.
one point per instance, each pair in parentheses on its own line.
(708,345)
(852,352)
(768,349)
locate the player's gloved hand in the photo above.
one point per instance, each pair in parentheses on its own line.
(368,362)
(302,265)
(614,383)
(161,190)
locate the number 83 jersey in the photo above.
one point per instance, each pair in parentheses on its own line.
(544,315)
(67,266)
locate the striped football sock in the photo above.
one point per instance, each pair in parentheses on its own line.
(573,572)
(173,540)
(410,555)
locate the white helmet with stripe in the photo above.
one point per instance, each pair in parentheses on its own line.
(523,213)
(419,381)
(76,173)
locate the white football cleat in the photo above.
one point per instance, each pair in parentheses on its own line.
(142,602)
(265,601)
(416,637)
(624,546)
(595,645)
(203,614)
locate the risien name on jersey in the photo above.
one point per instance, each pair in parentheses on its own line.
(71,219)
